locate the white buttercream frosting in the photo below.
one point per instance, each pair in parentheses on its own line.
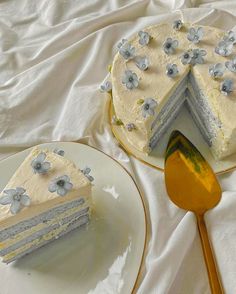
(156,84)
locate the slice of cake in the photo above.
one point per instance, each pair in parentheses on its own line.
(47,197)
(166,66)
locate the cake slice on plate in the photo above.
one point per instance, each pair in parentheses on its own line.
(47,197)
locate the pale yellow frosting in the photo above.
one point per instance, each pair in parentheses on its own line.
(154,83)
(36,187)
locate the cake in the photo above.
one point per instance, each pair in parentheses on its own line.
(166,66)
(47,197)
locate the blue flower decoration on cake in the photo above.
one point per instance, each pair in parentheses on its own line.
(121,43)
(126,49)
(39,165)
(172,70)
(142,62)
(59,151)
(16,198)
(216,70)
(197,56)
(186,57)
(193,56)
(148,107)
(231,65)
(130,80)
(106,86)
(226,87)
(177,25)
(230,37)
(224,48)
(195,35)
(86,171)
(130,127)
(170,46)
(144,38)
(61,185)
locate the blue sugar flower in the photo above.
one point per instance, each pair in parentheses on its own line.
(148,107)
(127,50)
(142,62)
(177,25)
(121,43)
(197,56)
(144,38)
(86,171)
(170,45)
(172,70)
(186,58)
(130,80)
(130,127)
(216,70)
(39,165)
(230,37)
(195,35)
(106,86)
(231,65)
(61,185)
(226,87)
(224,48)
(59,151)
(16,198)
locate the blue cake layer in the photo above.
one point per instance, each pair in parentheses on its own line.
(83,220)
(41,218)
(166,123)
(172,101)
(197,105)
(44,231)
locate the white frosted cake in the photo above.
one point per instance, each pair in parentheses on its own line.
(168,65)
(47,197)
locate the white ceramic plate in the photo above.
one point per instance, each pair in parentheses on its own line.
(185,124)
(104,257)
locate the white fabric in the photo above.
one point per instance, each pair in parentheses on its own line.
(54,55)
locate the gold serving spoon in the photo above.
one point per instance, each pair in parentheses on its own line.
(192,185)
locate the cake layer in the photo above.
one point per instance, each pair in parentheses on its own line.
(55,234)
(38,234)
(198,118)
(172,102)
(18,237)
(202,106)
(45,217)
(173,113)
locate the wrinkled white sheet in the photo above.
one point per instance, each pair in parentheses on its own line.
(54,55)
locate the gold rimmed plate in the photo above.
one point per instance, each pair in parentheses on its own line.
(183,123)
(103,257)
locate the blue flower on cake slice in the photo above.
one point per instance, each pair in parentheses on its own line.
(47,197)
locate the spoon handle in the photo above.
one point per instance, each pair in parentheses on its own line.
(216,287)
